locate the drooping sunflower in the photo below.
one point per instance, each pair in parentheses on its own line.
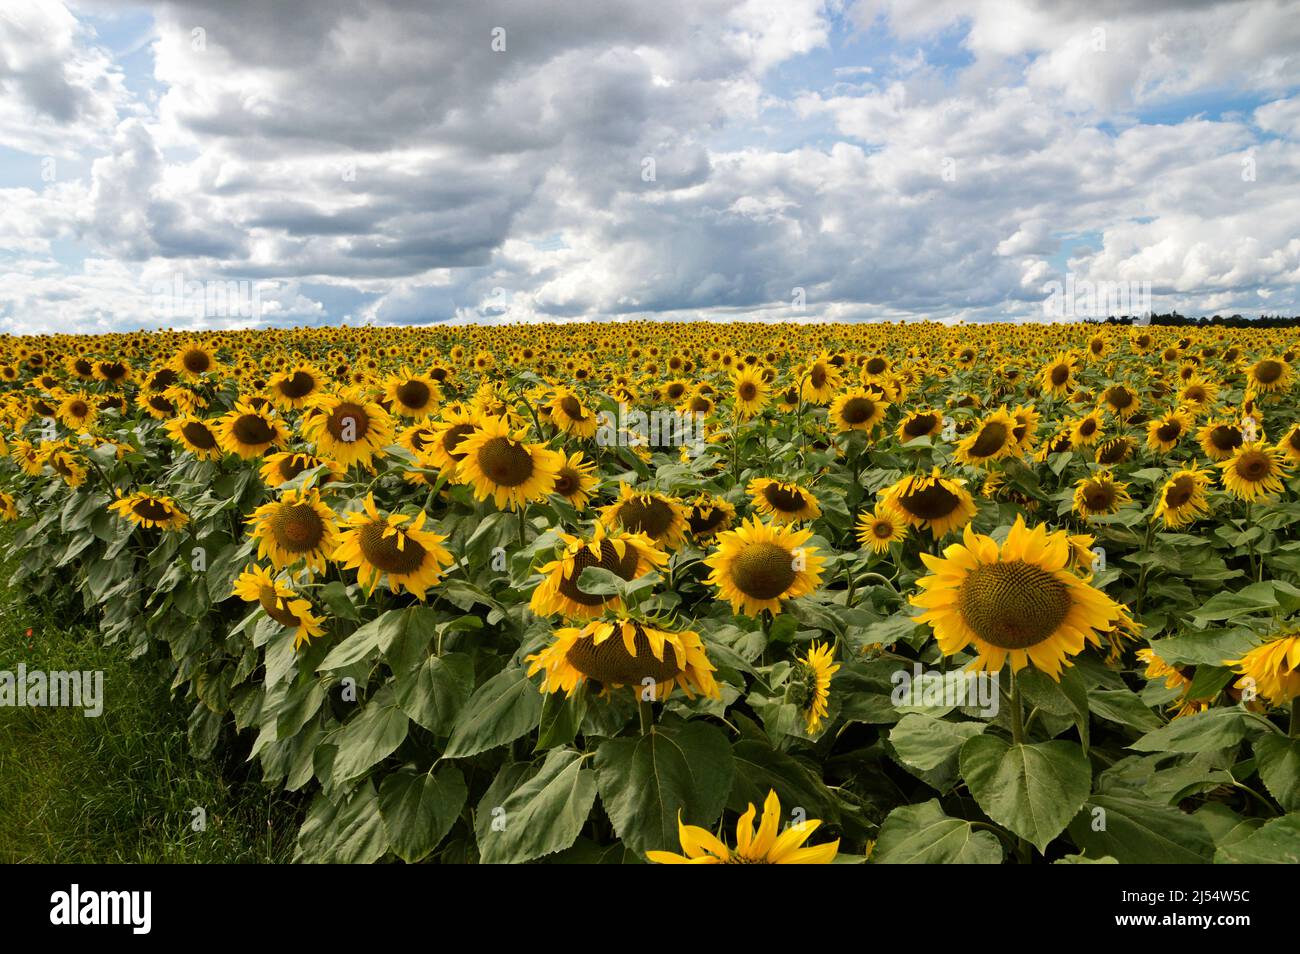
(1290,443)
(280,602)
(758,565)
(284,466)
(809,687)
(879,529)
(1025,432)
(394,547)
(1114,451)
(298,526)
(923,422)
(750,391)
(1121,400)
(660,517)
(935,503)
(1156,668)
(1219,439)
(575,480)
(67,464)
(625,652)
(627,555)
(1271,669)
(709,516)
(294,386)
(196,435)
(149,510)
(456,424)
(1165,431)
(1255,470)
(570,415)
(858,409)
(28,457)
(249,431)
(769,845)
(1269,374)
(348,427)
(993,439)
(411,395)
(1099,495)
(502,465)
(782,501)
(1018,602)
(1182,499)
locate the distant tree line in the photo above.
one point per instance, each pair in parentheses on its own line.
(1225,321)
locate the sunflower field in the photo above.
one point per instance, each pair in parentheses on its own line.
(697,593)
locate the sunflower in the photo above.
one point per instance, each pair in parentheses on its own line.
(1058,376)
(1121,400)
(1114,451)
(1086,431)
(66,464)
(298,526)
(1018,601)
(280,602)
(393,546)
(570,415)
(627,555)
(992,440)
(1269,374)
(1099,495)
(1157,668)
(783,502)
(625,652)
(77,412)
(28,457)
(809,687)
(284,466)
(758,565)
(1165,431)
(576,480)
(1271,669)
(294,386)
(1025,432)
(195,435)
(1290,443)
(499,464)
(445,450)
(1197,394)
(879,529)
(348,427)
(1182,499)
(8,507)
(924,422)
(821,379)
(411,395)
(709,516)
(750,391)
(767,847)
(149,510)
(250,432)
(1255,470)
(661,518)
(857,409)
(193,361)
(935,503)
(1219,439)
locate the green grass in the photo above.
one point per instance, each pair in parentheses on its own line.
(121,787)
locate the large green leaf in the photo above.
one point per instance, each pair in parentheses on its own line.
(545,814)
(350,832)
(1211,729)
(1034,790)
(761,768)
(1277,842)
(1279,767)
(926,743)
(434,694)
(419,808)
(645,782)
(500,711)
(371,735)
(923,834)
(1140,831)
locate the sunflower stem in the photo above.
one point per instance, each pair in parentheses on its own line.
(1294,728)
(1017,712)
(645,708)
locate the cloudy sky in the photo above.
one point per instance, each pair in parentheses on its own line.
(407,161)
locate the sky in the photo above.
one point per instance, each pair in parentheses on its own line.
(241,163)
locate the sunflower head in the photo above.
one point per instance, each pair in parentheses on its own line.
(659,517)
(280,602)
(1255,470)
(394,547)
(769,845)
(782,502)
(1271,670)
(758,565)
(150,510)
(809,688)
(297,527)
(627,555)
(501,464)
(937,503)
(879,529)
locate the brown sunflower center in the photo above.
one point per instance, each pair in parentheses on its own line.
(1179,492)
(1098,497)
(150,509)
(384,552)
(858,410)
(198,435)
(297,385)
(611,663)
(160,403)
(1013,605)
(297,527)
(567,482)
(1169,431)
(920,425)
(572,407)
(646,514)
(348,422)
(817,377)
(252,429)
(78,409)
(1225,437)
(453,436)
(1060,374)
(992,438)
(1088,426)
(113,370)
(876,365)
(414,394)
(1254,466)
(932,502)
(703,522)
(505,462)
(196,361)
(1113,452)
(784,499)
(1268,371)
(275,609)
(763,571)
(624,567)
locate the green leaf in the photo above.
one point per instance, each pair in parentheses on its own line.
(543,815)
(1279,767)
(1034,790)
(348,833)
(923,834)
(1211,729)
(761,768)
(371,735)
(1210,648)
(926,743)
(1123,707)
(435,693)
(1068,697)
(561,718)
(419,809)
(645,782)
(500,711)
(1255,598)
(363,641)
(1276,842)
(1140,831)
